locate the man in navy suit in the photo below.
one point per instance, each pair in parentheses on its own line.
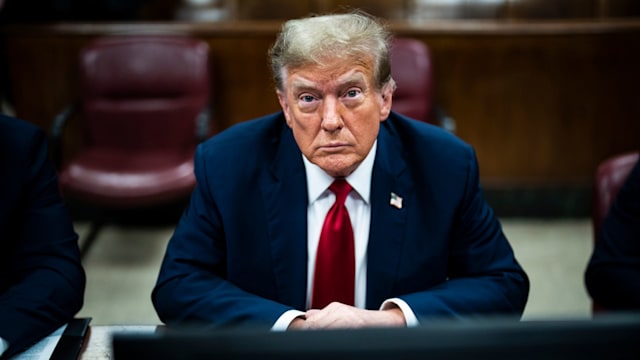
(612,276)
(427,245)
(41,277)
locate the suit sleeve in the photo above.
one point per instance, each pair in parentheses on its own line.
(613,272)
(192,287)
(484,277)
(46,279)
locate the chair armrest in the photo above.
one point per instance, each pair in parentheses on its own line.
(57,130)
(203,124)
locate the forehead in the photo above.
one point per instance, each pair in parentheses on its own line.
(332,72)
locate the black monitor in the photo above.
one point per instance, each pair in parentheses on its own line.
(607,337)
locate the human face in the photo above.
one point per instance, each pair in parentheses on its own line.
(335,112)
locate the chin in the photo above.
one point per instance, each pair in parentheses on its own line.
(339,171)
(337,165)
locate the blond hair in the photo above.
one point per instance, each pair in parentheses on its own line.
(314,40)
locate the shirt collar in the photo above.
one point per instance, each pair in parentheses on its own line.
(319,181)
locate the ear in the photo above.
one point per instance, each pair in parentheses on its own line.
(284,105)
(386,99)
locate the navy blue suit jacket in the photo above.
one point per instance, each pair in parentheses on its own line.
(613,273)
(41,276)
(239,253)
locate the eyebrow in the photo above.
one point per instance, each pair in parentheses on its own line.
(302,85)
(352,82)
(353,79)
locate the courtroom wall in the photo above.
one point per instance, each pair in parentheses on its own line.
(542,103)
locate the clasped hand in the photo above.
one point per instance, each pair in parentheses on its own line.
(337,315)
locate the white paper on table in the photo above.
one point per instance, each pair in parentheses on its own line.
(43,349)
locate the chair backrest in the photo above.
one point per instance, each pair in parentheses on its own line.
(610,176)
(143,91)
(411,68)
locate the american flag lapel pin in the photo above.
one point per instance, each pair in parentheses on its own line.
(395,201)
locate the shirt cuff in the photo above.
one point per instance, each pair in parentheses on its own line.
(4,345)
(283,322)
(409,317)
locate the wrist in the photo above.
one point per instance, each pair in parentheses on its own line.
(296,324)
(396,316)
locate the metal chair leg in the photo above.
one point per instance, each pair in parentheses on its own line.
(90,238)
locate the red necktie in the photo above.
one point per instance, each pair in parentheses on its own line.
(335,260)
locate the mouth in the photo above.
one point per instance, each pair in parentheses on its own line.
(334,147)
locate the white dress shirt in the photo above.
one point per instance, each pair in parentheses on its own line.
(359,206)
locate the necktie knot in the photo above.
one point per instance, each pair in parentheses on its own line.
(341,188)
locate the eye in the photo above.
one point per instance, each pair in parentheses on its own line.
(307,102)
(352,93)
(306,98)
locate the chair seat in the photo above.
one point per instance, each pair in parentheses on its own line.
(112,177)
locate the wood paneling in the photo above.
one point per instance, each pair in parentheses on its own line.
(540,109)
(619,8)
(542,103)
(216,10)
(278,10)
(272,10)
(555,9)
(437,9)
(389,9)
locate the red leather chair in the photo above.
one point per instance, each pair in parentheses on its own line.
(609,178)
(144,107)
(412,69)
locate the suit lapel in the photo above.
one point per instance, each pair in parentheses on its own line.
(388,222)
(285,200)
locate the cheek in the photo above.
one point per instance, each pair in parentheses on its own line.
(366,132)
(305,128)
(300,121)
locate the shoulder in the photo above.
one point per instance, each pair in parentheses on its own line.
(627,202)
(634,175)
(23,157)
(244,149)
(14,130)
(21,140)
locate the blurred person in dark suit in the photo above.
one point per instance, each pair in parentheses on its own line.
(612,276)
(41,277)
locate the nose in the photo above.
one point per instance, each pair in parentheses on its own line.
(331,118)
